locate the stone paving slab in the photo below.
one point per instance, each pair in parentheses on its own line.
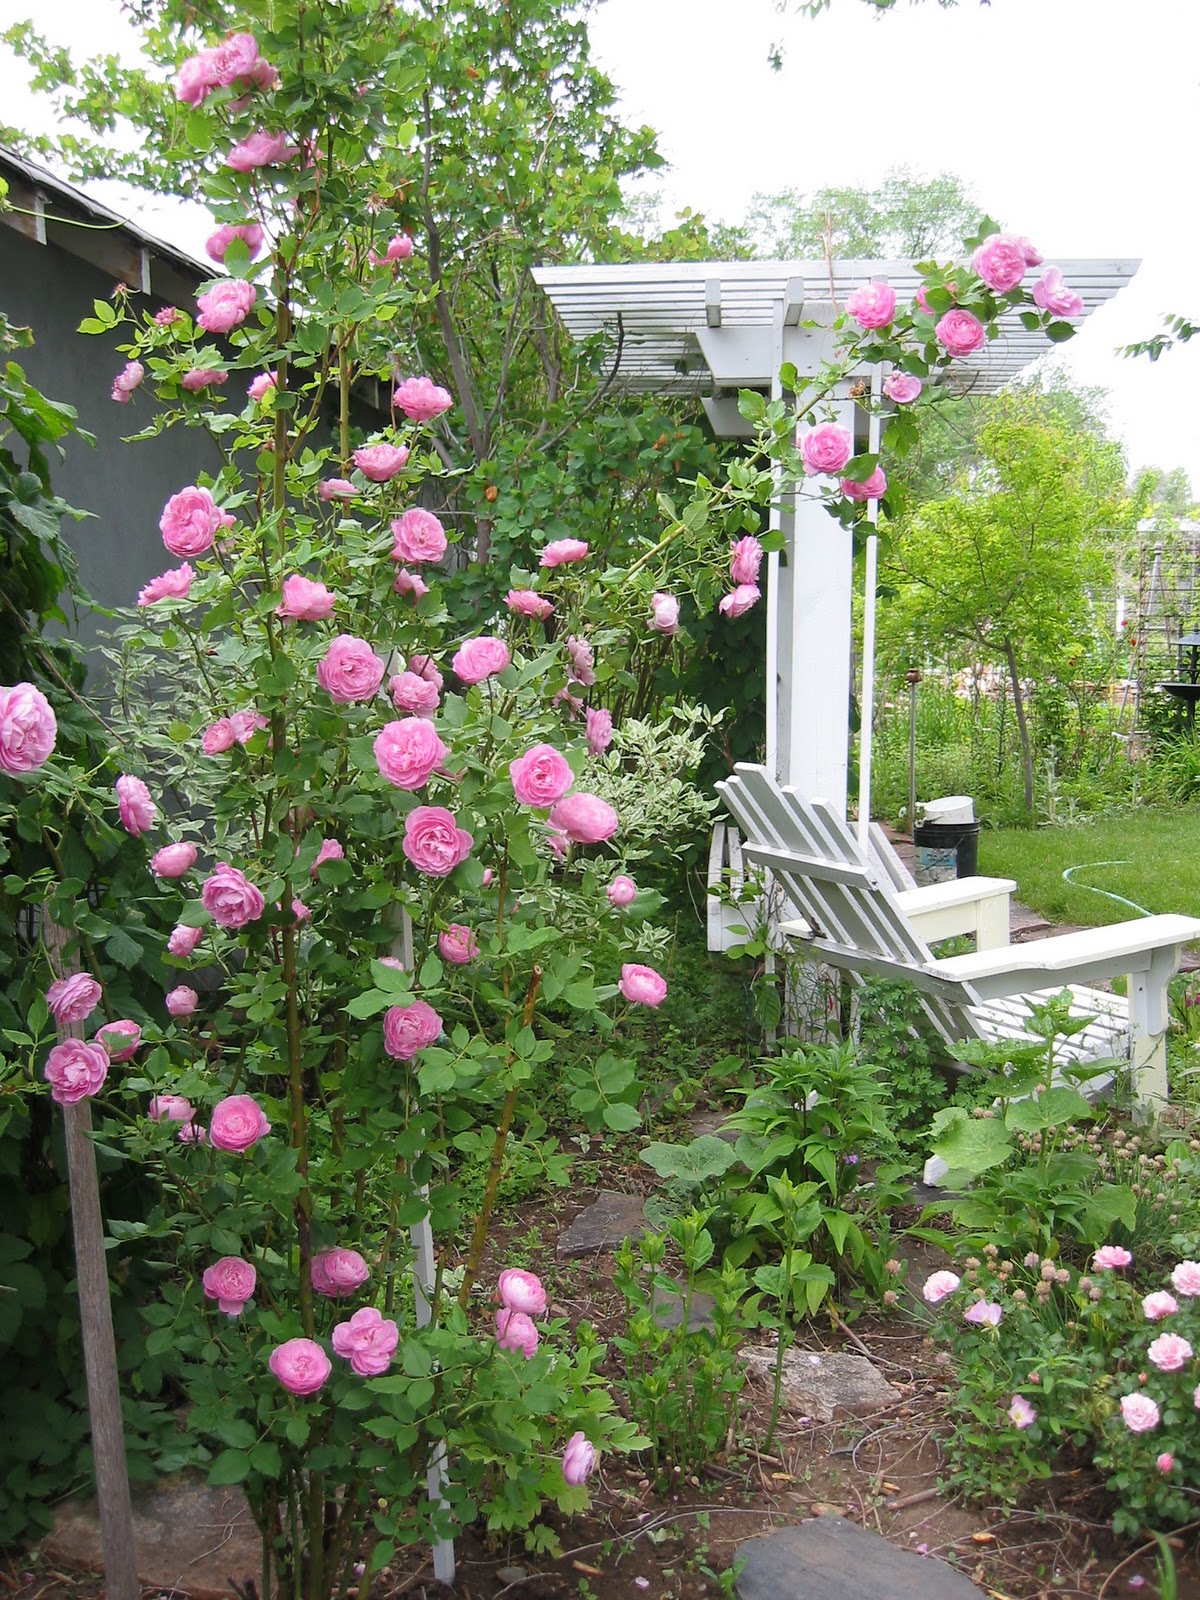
(612,1219)
(825,1384)
(832,1559)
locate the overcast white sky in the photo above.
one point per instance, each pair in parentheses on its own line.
(1072,121)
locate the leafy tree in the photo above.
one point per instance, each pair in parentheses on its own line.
(907,216)
(1167,494)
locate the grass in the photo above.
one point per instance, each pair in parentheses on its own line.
(1153,859)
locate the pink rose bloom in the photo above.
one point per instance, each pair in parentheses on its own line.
(584,818)
(479,658)
(922,300)
(339,1272)
(418,536)
(336,489)
(1052,294)
(189,522)
(1158,1305)
(598,730)
(872,306)
(412,583)
(249,232)
(245,724)
(170,1108)
(192,1133)
(173,860)
(300,1365)
(120,1039)
(487,877)
(740,600)
(1021,1414)
(561,551)
(237,59)
(183,940)
(582,670)
(664,614)
(745,559)
(1165,1462)
(379,462)
(410,692)
(1185,1279)
(528,603)
(331,850)
(1111,1256)
(622,892)
(167,316)
(423,667)
(1000,261)
(579,1460)
(434,842)
(197,77)
(230,898)
(1169,1352)
(236,1123)
(27,729)
(408,752)
(515,1332)
(182,1001)
(197,378)
(521,1291)
(642,986)
(400,247)
(226,305)
(261,386)
(984,1314)
(826,449)
(230,1282)
(1140,1412)
(305,600)
(902,387)
(959,333)
(126,382)
(368,1341)
(261,150)
(871,488)
(172,585)
(421,399)
(1033,256)
(350,670)
(541,776)
(73,999)
(75,1071)
(218,737)
(938,1285)
(136,808)
(457,945)
(407,1029)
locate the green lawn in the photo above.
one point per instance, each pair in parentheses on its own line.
(1159,852)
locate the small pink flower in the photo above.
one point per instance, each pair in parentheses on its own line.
(541,776)
(218,243)
(400,247)
(182,1001)
(305,600)
(1185,1279)
(407,1029)
(331,850)
(410,692)
(368,1341)
(339,1272)
(230,899)
(1158,1305)
(350,671)
(336,489)
(560,552)
(167,316)
(409,752)
(642,986)
(578,1463)
(421,399)
(457,945)
(1021,1414)
(173,860)
(515,1332)
(418,536)
(218,737)
(378,462)
(664,614)
(261,149)
(27,729)
(582,662)
(740,600)
(237,1122)
(959,333)
(300,1365)
(872,306)
(984,1314)
(412,583)
(622,891)
(246,724)
(1000,261)
(1052,294)
(75,1071)
(172,585)
(528,603)
(230,1282)
(434,842)
(521,1291)
(197,78)
(871,489)
(1032,254)
(1109,1257)
(745,559)
(127,381)
(120,1039)
(1165,1462)
(192,1133)
(477,659)
(190,521)
(197,378)
(226,305)
(258,388)
(170,1108)
(902,387)
(73,999)
(137,810)
(183,940)
(598,730)
(826,449)
(584,818)
(1139,1412)
(938,1285)
(488,875)
(424,667)
(1169,1352)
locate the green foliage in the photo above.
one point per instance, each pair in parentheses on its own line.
(908,217)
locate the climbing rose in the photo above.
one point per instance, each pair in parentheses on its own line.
(368,1341)
(230,1282)
(959,333)
(872,306)
(245,724)
(189,522)
(236,57)
(528,603)
(167,316)
(300,1365)
(541,776)
(421,400)
(407,1029)
(261,149)
(305,600)
(73,999)
(740,600)
(1110,1256)
(642,986)
(408,752)
(515,1332)
(173,860)
(560,551)
(938,1285)
(172,585)
(1021,1414)
(584,818)
(521,1291)
(870,489)
(1140,1412)
(170,1108)
(582,658)
(1000,261)
(336,489)
(338,1272)
(434,842)
(599,730)
(218,243)
(745,558)
(230,898)
(126,382)
(622,891)
(120,1039)
(237,1122)
(379,462)
(479,658)
(457,945)
(1165,1462)
(902,387)
(1185,1279)
(258,388)
(27,729)
(1169,1352)
(826,448)
(1158,1305)
(182,1001)
(411,692)
(399,248)
(418,536)
(579,1460)
(350,670)
(197,77)
(135,806)
(183,940)
(664,614)
(226,305)
(75,1070)
(331,850)
(1052,294)
(410,583)
(197,378)
(984,1314)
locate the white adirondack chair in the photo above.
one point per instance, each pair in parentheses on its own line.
(852,917)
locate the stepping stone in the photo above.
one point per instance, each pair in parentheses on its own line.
(668,1310)
(824,1384)
(713,1123)
(604,1225)
(191,1538)
(832,1559)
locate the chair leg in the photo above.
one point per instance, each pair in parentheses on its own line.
(1148,1017)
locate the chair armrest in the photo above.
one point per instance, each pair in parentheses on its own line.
(961,905)
(955,892)
(1122,947)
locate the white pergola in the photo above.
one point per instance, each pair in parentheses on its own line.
(711,328)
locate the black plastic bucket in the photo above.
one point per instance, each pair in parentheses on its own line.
(945,850)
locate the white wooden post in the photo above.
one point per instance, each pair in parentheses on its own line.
(867,702)
(1148,1022)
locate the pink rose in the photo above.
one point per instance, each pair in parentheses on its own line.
(421,399)
(412,693)
(1110,1256)
(642,986)
(560,551)
(541,776)
(236,1123)
(120,1039)
(579,1460)
(826,448)
(258,388)
(584,818)
(27,729)
(1000,261)
(261,149)
(479,658)
(197,77)
(1158,1305)
(407,1029)
(135,806)
(622,891)
(336,489)
(581,671)
(1021,1414)
(871,488)
(167,316)
(400,247)
(410,583)
(959,333)
(872,306)
(230,898)
(350,670)
(487,877)
(434,842)
(1032,254)
(245,724)
(182,1001)
(1052,294)
(902,387)
(1185,1279)
(305,600)
(457,945)
(408,752)
(368,1341)
(1139,1412)
(424,667)
(75,1071)
(1165,1462)
(664,614)
(528,603)
(226,305)
(337,1273)
(515,1332)
(189,522)
(183,940)
(197,378)
(172,585)
(73,999)
(331,850)
(1169,1352)
(192,1133)
(127,381)
(234,58)
(521,1291)
(598,730)
(740,600)
(938,1285)
(230,1282)
(418,536)
(218,737)
(745,559)
(984,1314)
(218,243)
(173,860)
(379,462)
(170,1108)
(922,300)
(300,1365)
